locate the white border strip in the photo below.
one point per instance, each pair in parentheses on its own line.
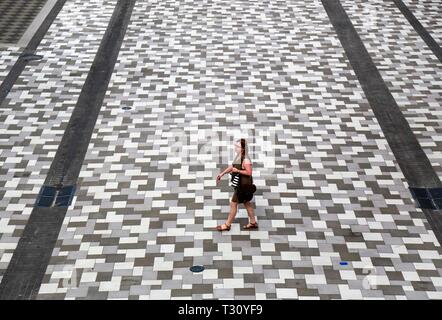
(38,20)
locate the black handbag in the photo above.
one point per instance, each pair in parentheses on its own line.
(247,189)
(244,189)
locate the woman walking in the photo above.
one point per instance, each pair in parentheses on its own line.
(242,181)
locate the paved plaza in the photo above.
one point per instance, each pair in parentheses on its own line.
(336,216)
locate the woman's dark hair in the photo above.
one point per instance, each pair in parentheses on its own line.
(243,148)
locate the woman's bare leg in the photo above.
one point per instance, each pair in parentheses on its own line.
(249,208)
(232,213)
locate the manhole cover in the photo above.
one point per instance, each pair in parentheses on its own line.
(126,108)
(197,268)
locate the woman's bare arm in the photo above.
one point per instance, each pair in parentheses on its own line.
(247,171)
(227,170)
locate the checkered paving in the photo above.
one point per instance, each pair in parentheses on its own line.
(409,68)
(195,71)
(16,16)
(34,115)
(428,12)
(8,57)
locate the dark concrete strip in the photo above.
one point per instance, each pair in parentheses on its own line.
(20,64)
(409,154)
(419,28)
(38,20)
(411,158)
(25,272)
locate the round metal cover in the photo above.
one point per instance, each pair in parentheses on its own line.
(197,268)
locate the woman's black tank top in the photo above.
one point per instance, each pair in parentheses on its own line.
(238,179)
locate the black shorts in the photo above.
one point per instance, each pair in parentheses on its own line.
(241,197)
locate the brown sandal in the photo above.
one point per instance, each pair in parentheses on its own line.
(251,226)
(220,227)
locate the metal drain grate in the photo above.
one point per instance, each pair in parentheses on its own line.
(64,197)
(46,196)
(51,196)
(427,198)
(23,174)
